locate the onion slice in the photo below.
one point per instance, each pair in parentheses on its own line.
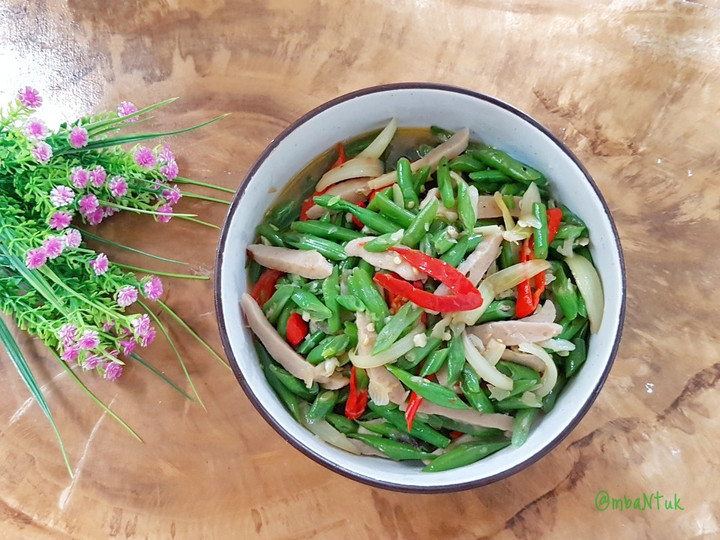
(398,349)
(512,275)
(357,167)
(483,368)
(549,375)
(376,148)
(588,283)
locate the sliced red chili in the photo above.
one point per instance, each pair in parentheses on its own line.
(412,409)
(296,330)
(357,398)
(342,158)
(265,286)
(439,270)
(554,218)
(426,300)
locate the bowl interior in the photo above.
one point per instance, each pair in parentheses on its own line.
(489,120)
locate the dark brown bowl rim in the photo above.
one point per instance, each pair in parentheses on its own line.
(319,458)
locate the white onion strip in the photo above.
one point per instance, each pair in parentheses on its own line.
(358,167)
(376,148)
(549,376)
(483,368)
(398,349)
(588,283)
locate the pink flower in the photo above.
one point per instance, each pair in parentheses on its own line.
(128,346)
(153,288)
(145,158)
(61,196)
(67,334)
(169,171)
(100,264)
(97,176)
(165,212)
(141,325)
(148,338)
(165,154)
(60,220)
(78,137)
(35,130)
(96,216)
(88,204)
(71,353)
(118,186)
(109,211)
(108,325)
(127,295)
(91,361)
(73,238)
(79,177)
(35,258)
(126,108)
(42,152)
(53,246)
(113,371)
(89,340)
(30,98)
(172,195)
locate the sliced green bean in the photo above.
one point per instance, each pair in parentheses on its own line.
(323,404)
(384,428)
(341,423)
(311,341)
(420,177)
(540,236)
(517,372)
(418,354)
(271,234)
(443,241)
(393,449)
(426,245)
(498,310)
(571,328)
(283,319)
(288,399)
(576,358)
(440,134)
(434,362)
(328,248)
(367,217)
(476,396)
(421,224)
(349,263)
(405,318)
(330,293)
(277,302)
(388,209)
(255,270)
(330,347)
(564,291)
(489,175)
(383,242)
(501,161)
(423,150)
(325,230)
(521,428)
(283,215)
(456,359)
(548,401)
(309,303)
(362,286)
(509,255)
(465,208)
(432,391)
(466,163)
(464,454)
(456,254)
(353,148)
(351,330)
(292,383)
(419,430)
(350,302)
(405,182)
(444,182)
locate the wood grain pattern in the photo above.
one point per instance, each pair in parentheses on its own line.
(633,87)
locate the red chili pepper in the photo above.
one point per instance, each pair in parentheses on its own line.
(359,224)
(426,300)
(412,408)
(554,216)
(456,434)
(357,399)
(297,329)
(342,158)
(528,301)
(439,270)
(265,286)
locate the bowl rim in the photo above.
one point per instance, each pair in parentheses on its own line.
(322,460)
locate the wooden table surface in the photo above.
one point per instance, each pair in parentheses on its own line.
(633,87)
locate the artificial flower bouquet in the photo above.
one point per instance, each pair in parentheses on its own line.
(55,187)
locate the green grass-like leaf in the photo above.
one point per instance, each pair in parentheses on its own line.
(128,248)
(18,359)
(160,374)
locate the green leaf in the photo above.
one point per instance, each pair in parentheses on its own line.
(128,248)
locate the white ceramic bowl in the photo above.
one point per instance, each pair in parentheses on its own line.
(414,105)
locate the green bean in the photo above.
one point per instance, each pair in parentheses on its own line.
(383,242)
(509,255)
(418,354)
(368,217)
(582,309)
(434,363)
(498,310)
(513,189)
(564,292)
(405,182)
(350,302)
(330,347)
(576,358)
(509,201)
(548,401)
(288,399)
(310,342)
(466,163)
(366,267)
(421,224)
(540,236)
(420,177)
(330,292)
(391,211)
(362,286)
(569,217)
(328,248)
(311,304)
(314,286)
(283,215)
(397,195)
(456,359)
(445,183)
(271,234)
(457,253)
(274,306)
(440,134)
(489,175)
(255,270)
(432,391)
(501,161)
(464,454)
(487,188)
(474,240)
(442,241)
(426,245)
(423,150)
(385,429)
(476,396)
(323,404)
(520,386)
(521,428)
(393,449)
(513,403)
(419,430)
(325,230)
(405,318)
(283,319)
(517,372)
(465,208)
(341,423)
(349,263)
(571,328)
(475,431)
(351,330)
(292,383)
(353,148)
(566,230)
